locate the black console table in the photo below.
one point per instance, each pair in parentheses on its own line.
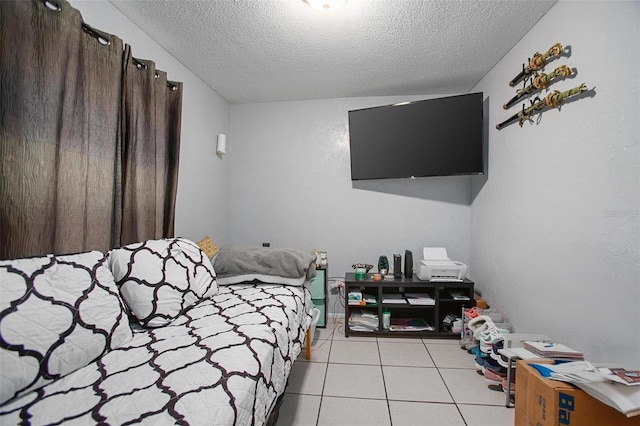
(441,292)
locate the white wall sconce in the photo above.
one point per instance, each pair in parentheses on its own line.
(221,148)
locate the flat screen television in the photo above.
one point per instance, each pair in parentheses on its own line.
(433,137)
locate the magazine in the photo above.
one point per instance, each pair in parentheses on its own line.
(622,375)
(409,324)
(419,299)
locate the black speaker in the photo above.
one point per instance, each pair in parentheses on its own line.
(408,264)
(397,266)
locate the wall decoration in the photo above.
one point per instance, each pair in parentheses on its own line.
(540,81)
(552,100)
(536,81)
(537,62)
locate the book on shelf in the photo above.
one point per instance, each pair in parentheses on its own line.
(369,299)
(393,298)
(409,324)
(458,295)
(419,299)
(552,350)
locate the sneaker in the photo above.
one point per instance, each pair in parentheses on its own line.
(479,363)
(468,341)
(488,338)
(513,384)
(482,363)
(492,365)
(493,377)
(456,327)
(475,351)
(495,352)
(479,324)
(504,361)
(473,312)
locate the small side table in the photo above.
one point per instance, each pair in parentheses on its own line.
(517,353)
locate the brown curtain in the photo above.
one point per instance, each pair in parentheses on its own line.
(151,107)
(67,153)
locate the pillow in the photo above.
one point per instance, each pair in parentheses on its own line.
(160,279)
(269,265)
(58,314)
(208,246)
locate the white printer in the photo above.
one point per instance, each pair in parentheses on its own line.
(436,266)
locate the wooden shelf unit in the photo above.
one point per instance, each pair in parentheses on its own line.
(440,291)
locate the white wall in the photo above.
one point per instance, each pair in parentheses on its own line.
(555,222)
(203,180)
(291,186)
(552,234)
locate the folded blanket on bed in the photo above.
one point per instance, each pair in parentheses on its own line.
(237,264)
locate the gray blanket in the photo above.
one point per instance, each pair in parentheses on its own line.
(264,261)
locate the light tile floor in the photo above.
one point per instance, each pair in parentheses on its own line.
(364,380)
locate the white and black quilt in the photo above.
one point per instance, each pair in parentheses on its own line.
(225,361)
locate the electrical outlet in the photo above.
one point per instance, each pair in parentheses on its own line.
(336,284)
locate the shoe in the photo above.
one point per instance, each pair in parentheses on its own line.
(475,351)
(483,362)
(513,384)
(492,365)
(468,341)
(493,377)
(488,338)
(473,312)
(479,324)
(504,361)
(479,363)
(456,327)
(495,352)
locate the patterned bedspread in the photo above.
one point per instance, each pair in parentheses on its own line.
(224,362)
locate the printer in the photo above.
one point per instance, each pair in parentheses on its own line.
(436,266)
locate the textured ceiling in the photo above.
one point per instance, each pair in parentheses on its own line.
(275,50)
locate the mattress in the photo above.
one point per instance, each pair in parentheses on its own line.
(225,361)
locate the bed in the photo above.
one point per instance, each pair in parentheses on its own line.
(223,360)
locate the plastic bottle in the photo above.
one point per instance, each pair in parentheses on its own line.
(386,318)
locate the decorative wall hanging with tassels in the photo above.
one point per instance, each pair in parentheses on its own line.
(534,80)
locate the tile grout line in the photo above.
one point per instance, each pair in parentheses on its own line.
(446,386)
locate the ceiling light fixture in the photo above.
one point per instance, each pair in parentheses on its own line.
(326,5)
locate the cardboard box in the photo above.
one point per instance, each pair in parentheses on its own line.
(545,402)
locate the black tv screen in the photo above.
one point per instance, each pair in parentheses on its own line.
(433,137)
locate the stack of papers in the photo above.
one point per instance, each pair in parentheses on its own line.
(623,395)
(363,321)
(393,298)
(458,295)
(552,350)
(419,299)
(409,324)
